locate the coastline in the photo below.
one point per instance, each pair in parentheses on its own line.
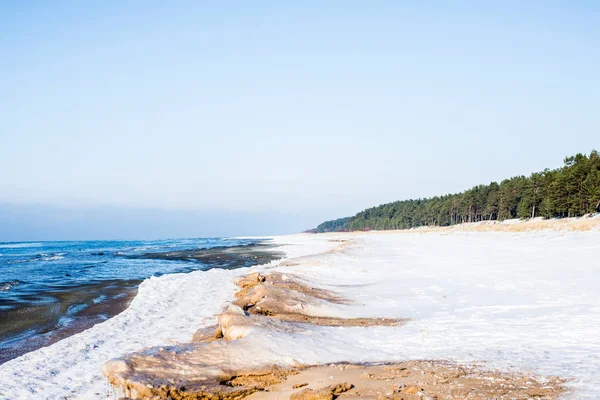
(166,310)
(518,302)
(506,326)
(66,308)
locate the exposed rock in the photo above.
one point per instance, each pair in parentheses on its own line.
(249,281)
(208,334)
(288,299)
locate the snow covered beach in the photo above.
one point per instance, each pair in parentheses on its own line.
(522,301)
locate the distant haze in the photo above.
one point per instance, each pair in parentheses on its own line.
(144,119)
(35,222)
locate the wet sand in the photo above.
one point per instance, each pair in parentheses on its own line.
(222,257)
(68,311)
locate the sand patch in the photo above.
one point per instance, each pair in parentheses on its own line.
(287,298)
(579,224)
(412,380)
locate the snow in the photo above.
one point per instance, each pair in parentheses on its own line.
(526,302)
(167,310)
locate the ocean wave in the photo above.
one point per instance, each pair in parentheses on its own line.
(100,299)
(40,257)
(76,308)
(6,286)
(52,258)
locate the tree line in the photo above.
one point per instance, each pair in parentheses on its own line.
(570,191)
(336,225)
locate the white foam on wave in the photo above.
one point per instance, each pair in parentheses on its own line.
(6,286)
(52,258)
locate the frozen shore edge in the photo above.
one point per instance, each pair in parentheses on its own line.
(171,308)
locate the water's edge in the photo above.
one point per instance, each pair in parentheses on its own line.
(80,309)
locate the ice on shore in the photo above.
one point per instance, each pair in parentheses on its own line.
(166,310)
(527,301)
(516,301)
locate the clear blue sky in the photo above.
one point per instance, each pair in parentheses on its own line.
(285,113)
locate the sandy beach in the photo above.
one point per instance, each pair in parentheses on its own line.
(306,200)
(509,312)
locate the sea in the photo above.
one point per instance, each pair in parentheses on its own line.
(51,290)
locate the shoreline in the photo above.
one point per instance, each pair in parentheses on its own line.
(77,308)
(248,345)
(478,298)
(167,309)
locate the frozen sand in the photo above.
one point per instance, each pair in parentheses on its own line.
(167,310)
(412,380)
(520,301)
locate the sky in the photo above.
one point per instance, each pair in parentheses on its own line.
(268,117)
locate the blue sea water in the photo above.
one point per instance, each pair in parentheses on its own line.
(49,287)
(27,267)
